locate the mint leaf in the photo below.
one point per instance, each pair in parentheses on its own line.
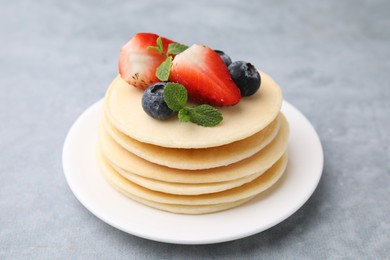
(175,95)
(162,71)
(158,47)
(176,48)
(184,114)
(205,115)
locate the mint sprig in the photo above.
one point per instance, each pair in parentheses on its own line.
(176,97)
(158,47)
(162,72)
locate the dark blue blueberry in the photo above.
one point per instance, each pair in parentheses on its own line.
(153,102)
(246,77)
(224,57)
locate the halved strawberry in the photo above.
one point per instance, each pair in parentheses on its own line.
(137,63)
(205,76)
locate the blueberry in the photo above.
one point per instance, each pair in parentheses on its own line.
(246,77)
(224,57)
(153,102)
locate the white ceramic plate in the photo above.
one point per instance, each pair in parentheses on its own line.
(270,208)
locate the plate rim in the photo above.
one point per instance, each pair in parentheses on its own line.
(193,241)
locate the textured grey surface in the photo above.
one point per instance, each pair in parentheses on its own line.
(331,58)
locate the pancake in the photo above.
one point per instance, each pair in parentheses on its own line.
(259,162)
(184,188)
(124,111)
(195,159)
(245,191)
(186,209)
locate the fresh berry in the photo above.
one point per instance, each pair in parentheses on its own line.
(246,77)
(205,76)
(153,102)
(138,63)
(224,57)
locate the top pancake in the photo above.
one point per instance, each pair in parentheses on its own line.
(124,111)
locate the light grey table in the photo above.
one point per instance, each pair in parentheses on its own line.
(331,58)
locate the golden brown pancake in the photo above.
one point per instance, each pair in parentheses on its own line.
(185,188)
(195,159)
(186,209)
(124,111)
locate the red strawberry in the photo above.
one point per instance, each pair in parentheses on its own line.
(205,76)
(137,63)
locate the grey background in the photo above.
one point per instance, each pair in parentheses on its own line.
(331,58)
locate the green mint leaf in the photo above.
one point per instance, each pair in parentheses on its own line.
(158,47)
(205,115)
(162,72)
(184,114)
(175,95)
(176,48)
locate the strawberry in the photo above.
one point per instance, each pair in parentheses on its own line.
(138,63)
(205,76)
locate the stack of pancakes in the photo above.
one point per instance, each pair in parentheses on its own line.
(185,168)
